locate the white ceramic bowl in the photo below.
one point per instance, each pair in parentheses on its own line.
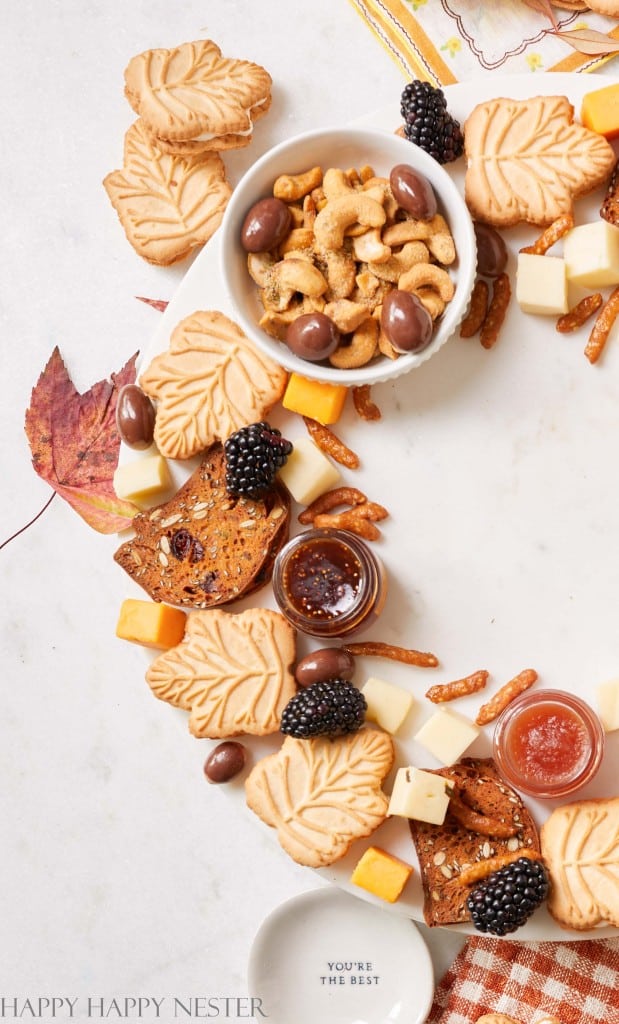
(343,147)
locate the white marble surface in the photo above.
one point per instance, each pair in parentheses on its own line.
(123,873)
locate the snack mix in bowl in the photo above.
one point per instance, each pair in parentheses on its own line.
(349,255)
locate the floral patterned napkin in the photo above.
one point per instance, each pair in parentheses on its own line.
(445,41)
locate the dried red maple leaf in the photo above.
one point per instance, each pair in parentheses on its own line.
(160,304)
(75,443)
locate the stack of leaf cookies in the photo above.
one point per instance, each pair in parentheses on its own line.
(171,192)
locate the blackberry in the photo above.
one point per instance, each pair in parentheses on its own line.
(507,898)
(428,123)
(329,708)
(253,456)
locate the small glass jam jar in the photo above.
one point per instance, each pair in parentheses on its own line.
(548,743)
(328,583)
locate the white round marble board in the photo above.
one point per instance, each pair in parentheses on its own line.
(498,469)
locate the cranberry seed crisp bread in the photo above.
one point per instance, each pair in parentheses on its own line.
(204,547)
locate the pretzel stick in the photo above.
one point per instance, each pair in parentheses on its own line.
(475,872)
(364,406)
(351,520)
(478,309)
(488,712)
(579,313)
(501,295)
(602,327)
(375,649)
(473,821)
(458,687)
(329,500)
(330,443)
(552,234)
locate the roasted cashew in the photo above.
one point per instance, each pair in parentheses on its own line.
(412,230)
(340,270)
(346,315)
(318,197)
(300,254)
(404,231)
(291,187)
(298,217)
(360,350)
(290,276)
(380,189)
(369,247)
(276,323)
(374,179)
(431,299)
(385,347)
(397,264)
(442,247)
(428,274)
(376,298)
(298,238)
(259,265)
(335,184)
(352,176)
(309,211)
(341,213)
(367,283)
(365,173)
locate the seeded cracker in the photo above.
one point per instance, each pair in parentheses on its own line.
(445,850)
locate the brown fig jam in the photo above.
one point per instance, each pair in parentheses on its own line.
(328,583)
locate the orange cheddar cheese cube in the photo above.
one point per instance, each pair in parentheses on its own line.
(382,874)
(319,399)
(150,624)
(600,111)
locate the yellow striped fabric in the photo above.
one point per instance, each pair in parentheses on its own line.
(400,32)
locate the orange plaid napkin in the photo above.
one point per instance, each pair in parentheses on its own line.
(578,982)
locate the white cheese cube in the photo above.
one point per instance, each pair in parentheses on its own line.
(420,795)
(143,480)
(447,734)
(388,705)
(307,472)
(607,695)
(591,254)
(541,284)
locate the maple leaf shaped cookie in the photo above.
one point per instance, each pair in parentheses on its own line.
(321,794)
(192,90)
(527,160)
(580,846)
(167,204)
(233,673)
(211,382)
